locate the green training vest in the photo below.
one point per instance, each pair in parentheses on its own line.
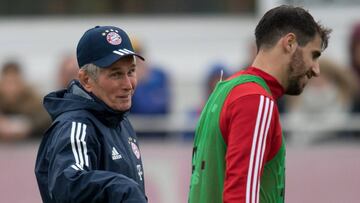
(208,159)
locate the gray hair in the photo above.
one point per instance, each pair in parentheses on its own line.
(92,70)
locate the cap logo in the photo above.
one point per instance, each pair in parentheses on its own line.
(122,52)
(113,38)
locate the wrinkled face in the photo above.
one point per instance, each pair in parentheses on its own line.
(115,85)
(303,66)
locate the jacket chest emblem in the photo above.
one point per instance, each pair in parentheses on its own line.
(115,154)
(134,147)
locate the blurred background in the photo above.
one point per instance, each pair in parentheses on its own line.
(186,45)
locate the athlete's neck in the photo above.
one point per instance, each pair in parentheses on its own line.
(272,63)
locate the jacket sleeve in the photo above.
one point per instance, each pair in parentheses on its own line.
(74,175)
(246,123)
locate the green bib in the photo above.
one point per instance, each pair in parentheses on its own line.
(208,161)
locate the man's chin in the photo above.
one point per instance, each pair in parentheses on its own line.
(122,108)
(294,92)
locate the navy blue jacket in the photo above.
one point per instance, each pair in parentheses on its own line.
(89,154)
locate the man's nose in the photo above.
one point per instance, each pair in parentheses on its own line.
(126,83)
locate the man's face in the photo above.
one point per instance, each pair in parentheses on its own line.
(115,85)
(304,65)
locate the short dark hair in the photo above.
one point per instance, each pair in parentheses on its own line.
(284,19)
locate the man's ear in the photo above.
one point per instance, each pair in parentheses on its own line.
(85,80)
(289,42)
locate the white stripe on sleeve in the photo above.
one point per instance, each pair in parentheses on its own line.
(75,167)
(78,132)
(250,170)
(72,140)
(264,145)
(84,145)
(78,145)
(258,152)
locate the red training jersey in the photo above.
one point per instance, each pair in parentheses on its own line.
(252,132)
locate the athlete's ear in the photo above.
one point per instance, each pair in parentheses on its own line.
(289,42)
(85,80)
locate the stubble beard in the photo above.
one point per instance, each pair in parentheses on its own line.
(295,74)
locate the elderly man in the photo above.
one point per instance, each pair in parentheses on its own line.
(90,153)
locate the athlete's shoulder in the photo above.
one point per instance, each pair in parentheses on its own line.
(246,89)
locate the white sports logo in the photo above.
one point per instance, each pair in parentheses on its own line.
(115,154)
(123,52)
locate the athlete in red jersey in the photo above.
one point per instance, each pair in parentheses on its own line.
(239,118)
(239,152)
